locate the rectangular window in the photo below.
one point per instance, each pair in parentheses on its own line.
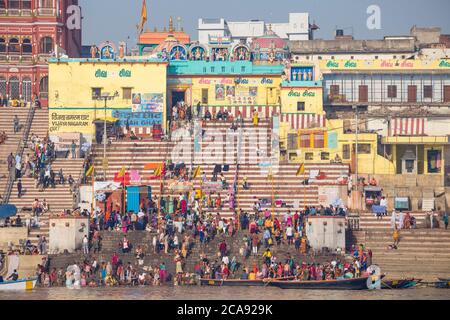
(412,93)
(292,141)
(324,156)
(434,160)
(242,69)
(126,93)
(305,140)
(346,151)
(300,106)
(319,141)
(309,156)
(428,92)
(223,69)
(96,93)
(446,93)
(363,148)
(363,93)
(204,96)
(212,69)
(334,89)
(392,91)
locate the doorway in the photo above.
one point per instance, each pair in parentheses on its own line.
(177,96)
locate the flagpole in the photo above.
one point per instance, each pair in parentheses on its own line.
(93,192)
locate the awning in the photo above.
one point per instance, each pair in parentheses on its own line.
(372,188)
(108,119)
(7,210)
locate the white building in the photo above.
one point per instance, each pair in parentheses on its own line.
(298,28)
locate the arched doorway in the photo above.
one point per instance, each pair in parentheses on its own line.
(14,88)
(43,87)
(26,89)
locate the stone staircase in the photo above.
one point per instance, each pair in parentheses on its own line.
(421,253)
(111,241)
(369,221)
(215,150)
(10,145)
(59,198)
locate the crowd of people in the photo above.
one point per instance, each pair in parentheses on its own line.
(7,101)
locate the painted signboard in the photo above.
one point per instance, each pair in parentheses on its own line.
(384,64)
(137,119)
(147,102)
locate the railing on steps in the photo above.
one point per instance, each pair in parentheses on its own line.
(353,222)
(81,180)
(20,148)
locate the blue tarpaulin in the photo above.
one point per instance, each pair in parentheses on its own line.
(7,210)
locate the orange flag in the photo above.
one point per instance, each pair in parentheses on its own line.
(143,16)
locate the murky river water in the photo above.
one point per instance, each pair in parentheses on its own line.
(209,293)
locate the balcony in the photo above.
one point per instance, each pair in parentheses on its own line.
(48,12)
(15,12)
(337,98)
(16,58)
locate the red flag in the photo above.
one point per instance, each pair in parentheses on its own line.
(321,176)
(124,180)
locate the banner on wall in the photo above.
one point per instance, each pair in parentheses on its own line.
(220,92)
(147,102)
(70,121)
(138,119)
(63,141)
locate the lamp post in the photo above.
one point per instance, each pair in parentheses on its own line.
(105,97)
(355,107)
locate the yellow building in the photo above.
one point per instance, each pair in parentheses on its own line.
(76,88)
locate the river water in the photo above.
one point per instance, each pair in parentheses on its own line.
(214,293)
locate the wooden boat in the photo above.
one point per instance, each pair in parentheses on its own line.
(232,283)
(345,284)
(442,284)
(239,282)
(444,279)
(18,285)
(400,284)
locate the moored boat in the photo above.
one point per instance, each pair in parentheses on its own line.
(240,282)
(345,284)
(18,285)
(232,282)
(400,284)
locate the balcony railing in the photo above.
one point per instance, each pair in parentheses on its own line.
(337,98)
(46,12)
(353,222)
(16,58)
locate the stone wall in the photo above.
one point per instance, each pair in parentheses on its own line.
(67,233)
(13,235)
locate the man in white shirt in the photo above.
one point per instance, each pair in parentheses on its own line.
(226,260)
(85,245)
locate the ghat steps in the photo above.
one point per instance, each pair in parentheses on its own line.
(421,253)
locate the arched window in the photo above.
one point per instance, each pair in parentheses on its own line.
(27,47)
(14,91)
(46,4)
(43,87)
(26,89)
(14,46)
(46,45)
(13,4)
(2,45)
(26,4)
(3,86)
